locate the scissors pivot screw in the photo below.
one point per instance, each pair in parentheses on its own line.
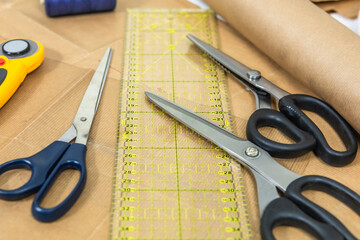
(254,75)
(252,152)
(83,119)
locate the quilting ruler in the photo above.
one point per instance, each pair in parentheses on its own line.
(170,183)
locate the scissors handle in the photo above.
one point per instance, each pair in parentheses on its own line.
(291,106)
(280,213)
(40,165)
(74,158)
(262,117)
(332,188)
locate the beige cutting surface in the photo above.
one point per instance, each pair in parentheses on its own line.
(43,108)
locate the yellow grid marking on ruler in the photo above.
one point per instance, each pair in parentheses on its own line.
(170,183)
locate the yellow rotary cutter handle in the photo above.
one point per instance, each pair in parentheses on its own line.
(18,57)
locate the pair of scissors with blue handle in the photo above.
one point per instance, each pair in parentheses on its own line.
(291,120)
(291,209)
(61,155)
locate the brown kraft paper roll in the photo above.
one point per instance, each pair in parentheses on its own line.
(305,41)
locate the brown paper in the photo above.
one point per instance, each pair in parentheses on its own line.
(44,106)
(349,8)
(304,40)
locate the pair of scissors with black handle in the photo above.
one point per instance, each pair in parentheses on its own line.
(291,120)
(48,164)
(291,209)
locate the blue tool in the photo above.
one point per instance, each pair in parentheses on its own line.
(290,120)
(55,8)
(292,209)
(61,155)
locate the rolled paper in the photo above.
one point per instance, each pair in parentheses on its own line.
(306,42)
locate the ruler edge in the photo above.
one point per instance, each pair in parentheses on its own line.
(232,129)
(116,155)
(227,102)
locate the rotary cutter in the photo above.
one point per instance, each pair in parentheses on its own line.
(18,57)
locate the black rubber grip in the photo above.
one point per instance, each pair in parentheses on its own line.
(329,186)
(291,106)
(283,212)
(3,74)
(304,142)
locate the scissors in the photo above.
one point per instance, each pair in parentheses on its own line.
(291,120)
(61,155)
(292,209)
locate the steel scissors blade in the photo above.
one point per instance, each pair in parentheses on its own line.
(292,209)
(291,120)
(61,155)
(89,104)
(235,146)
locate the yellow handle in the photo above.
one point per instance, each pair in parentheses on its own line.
(15,71)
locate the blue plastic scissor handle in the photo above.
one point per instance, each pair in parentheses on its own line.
(46,166)
(40,165)
(74,158)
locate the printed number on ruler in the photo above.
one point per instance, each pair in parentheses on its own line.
(170,183)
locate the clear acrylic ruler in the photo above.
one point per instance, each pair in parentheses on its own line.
(170,183)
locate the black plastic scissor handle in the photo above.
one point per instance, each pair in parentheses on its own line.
(296,210)
(283,212)
(291,106)
(304,142)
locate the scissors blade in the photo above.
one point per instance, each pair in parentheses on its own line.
(241,150)
(250,77)
(237,69)
(90,102)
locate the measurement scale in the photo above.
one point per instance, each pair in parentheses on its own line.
(170,183)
